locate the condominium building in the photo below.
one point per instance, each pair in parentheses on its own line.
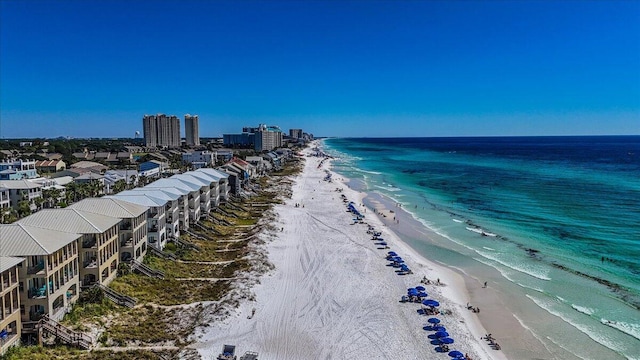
(10,322)
(48,278)
(267,138)
(172,205)
(132,228)
(161,130)
(223,183)
(295,133)
(192,135)
(98,246)
(191,207)
(156,215)
(204,198)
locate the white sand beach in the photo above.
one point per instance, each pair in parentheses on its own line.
(332,295)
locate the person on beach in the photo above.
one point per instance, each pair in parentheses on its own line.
(485,284)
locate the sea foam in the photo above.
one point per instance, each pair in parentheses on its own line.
(531,271)
(591,332)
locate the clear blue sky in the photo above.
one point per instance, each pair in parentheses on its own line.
(334,68)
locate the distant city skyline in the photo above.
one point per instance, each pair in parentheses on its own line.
(345,69)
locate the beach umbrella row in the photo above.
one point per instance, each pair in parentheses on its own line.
(440,335)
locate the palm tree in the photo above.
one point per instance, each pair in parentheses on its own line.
(119,186)
(9,215)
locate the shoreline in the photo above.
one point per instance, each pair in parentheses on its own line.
(311,254)
(494,316)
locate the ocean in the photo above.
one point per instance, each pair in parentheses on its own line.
(557,217)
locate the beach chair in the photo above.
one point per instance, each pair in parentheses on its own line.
(249,355)
(228,353)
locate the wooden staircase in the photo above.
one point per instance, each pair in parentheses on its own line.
(63,334)
(160,253)
(116,297)
(184,243)
(146,270)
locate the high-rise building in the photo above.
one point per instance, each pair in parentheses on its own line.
(267,138)
(295,133)
(161,130)
(191,132)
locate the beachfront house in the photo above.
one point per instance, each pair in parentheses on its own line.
(166,185)
(48,279)
(132,227)
(156,229)
(10,321)
(98,246)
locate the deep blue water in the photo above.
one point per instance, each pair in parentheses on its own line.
(554,207)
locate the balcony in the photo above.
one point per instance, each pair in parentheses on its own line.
(37,293)
(90,264)
(127,242)
(36,316)
(153,214)
(125,226)
(153,228)
(36,268)
(89,243)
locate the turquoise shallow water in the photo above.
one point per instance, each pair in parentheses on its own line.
(558,217)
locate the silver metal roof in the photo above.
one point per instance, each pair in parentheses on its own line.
(110,207)
(70,220)
(214,172)
(7,262)
(140,199)
(155,192)
(20,184)
(187,180)
(203,176)
(172,183)
(193,180)
(24,240)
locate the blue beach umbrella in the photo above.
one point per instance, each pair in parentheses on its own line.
(435,342)
(441,334)
(420,288)
(392,253)
(434,321)
(422,294)
(447,340)
(439,328)
(382,243)
(430,302)
(456,354)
